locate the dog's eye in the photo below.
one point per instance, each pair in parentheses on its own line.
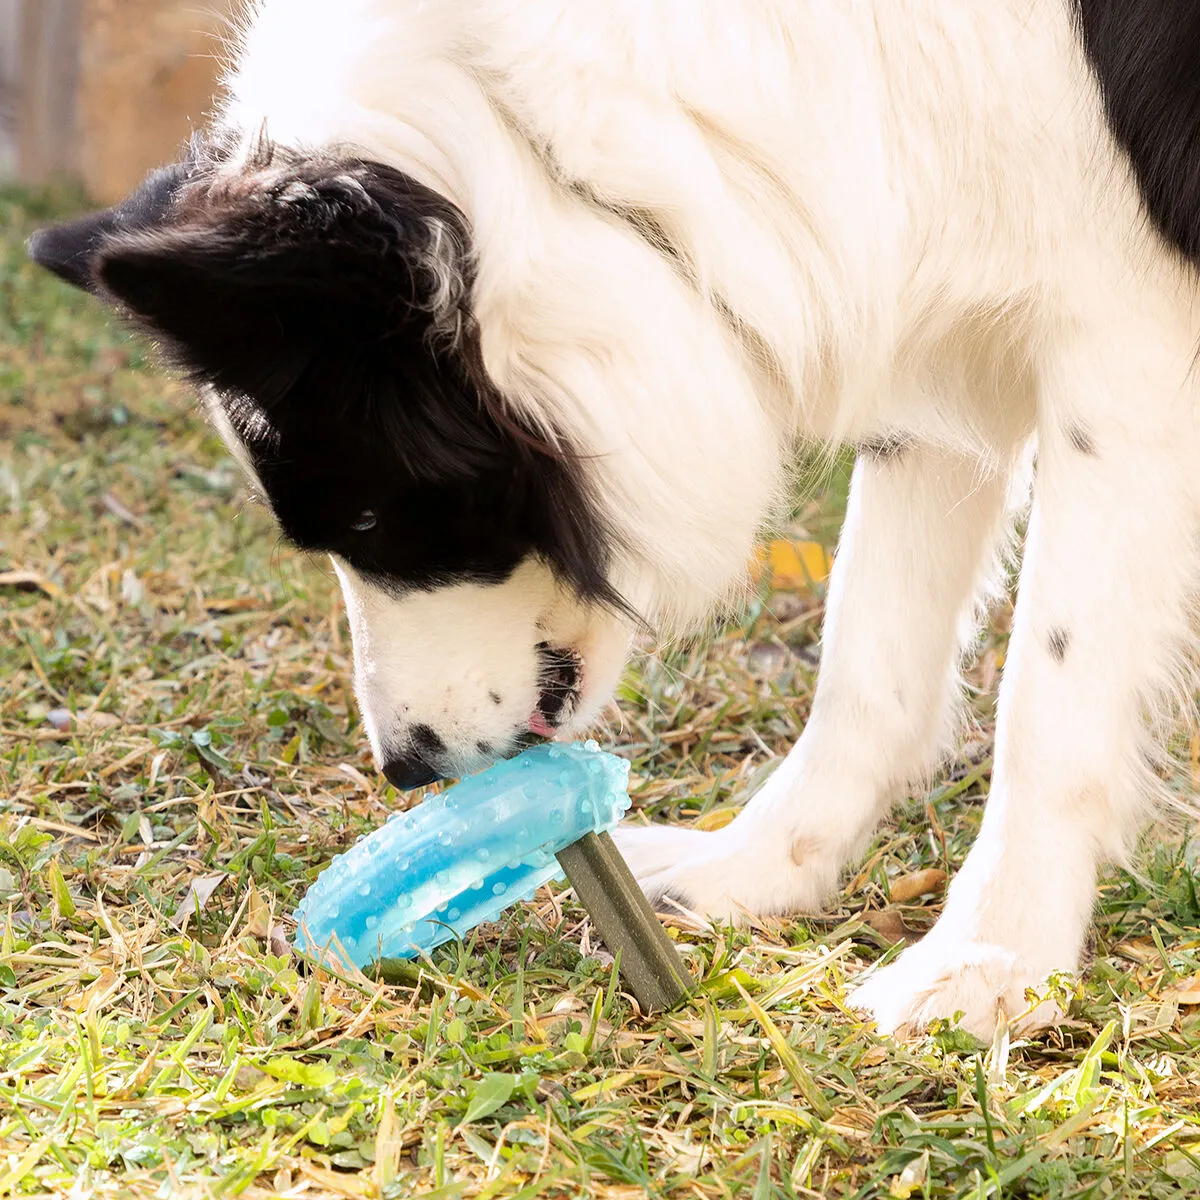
(366,520)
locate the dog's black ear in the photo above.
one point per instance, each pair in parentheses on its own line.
(185,283)
(71,250)
(220,315)
(255,277)
(67,250)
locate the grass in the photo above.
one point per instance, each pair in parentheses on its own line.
(180,756)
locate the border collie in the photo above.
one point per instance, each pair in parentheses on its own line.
(522,311)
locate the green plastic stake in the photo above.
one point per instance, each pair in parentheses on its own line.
(649,962)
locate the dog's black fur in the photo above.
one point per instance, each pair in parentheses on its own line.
(325,302)
(1146,56)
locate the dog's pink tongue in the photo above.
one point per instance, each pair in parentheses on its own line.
(539,725)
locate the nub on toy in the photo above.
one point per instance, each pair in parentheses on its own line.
(462,857)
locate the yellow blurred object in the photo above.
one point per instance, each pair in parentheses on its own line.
(794,566)
(907,888)
(717,819)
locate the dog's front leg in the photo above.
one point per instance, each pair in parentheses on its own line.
(917,548)
(1099,644)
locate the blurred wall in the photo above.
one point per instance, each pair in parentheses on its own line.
(104,90)
(10,33)
(148,71)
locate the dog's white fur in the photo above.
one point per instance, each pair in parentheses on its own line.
(901,220)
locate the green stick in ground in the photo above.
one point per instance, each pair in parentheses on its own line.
(650,964)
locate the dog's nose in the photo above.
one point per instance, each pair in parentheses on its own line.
(416,766)
(409,771)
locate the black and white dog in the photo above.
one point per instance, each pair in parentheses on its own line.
(520,309)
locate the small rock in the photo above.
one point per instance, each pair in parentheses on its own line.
(766,660)
(60,718)
(786,606)
(63,719)
(278,942)
(810,656)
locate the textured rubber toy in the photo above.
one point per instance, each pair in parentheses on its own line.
(463,856)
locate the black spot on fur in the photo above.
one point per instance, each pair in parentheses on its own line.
(425,742)
(485,748)
(1146,56)
(495,698)
(884,448)
(558,681)
(1081,439)
(326,302)
(1058,642)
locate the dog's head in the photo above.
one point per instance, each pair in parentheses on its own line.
(323,307)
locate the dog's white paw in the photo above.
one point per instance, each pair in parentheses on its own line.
(942,977)
(731,874)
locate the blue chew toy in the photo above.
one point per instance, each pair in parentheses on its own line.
(464,856)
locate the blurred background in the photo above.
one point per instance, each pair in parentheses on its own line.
(99,91)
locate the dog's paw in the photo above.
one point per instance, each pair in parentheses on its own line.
(943,977)
(727,875)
